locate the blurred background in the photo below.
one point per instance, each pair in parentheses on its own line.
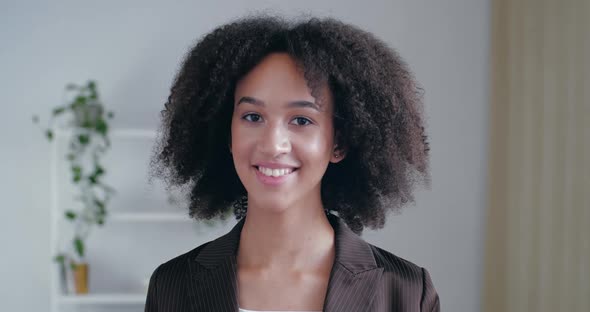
(504,227)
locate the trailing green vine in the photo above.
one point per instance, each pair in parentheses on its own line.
(87,129)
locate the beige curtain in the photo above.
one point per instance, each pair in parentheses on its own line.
(538,230)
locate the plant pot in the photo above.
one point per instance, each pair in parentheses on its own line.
(80,271)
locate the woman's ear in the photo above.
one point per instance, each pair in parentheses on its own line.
(339,150)
(338,154)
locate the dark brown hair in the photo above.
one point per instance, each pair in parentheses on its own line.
(378,116)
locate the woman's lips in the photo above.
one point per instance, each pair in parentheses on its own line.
(271,180)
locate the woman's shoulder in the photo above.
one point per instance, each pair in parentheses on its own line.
(178,264)
(406,279)
(398,267)
(206,255)
(169,282)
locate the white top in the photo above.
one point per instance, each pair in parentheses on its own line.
(244,310)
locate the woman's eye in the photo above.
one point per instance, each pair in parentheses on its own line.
(302,121)
(252,117)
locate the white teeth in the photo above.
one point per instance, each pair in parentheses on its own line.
(274,172)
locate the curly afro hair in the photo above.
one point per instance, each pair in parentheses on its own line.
(378,116)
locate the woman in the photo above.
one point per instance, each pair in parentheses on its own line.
(311,131)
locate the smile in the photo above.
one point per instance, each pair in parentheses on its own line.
(275,172)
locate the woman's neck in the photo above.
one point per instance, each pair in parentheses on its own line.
(293,239)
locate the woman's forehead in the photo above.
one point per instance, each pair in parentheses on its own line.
(279,79)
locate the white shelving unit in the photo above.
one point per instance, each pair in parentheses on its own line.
(61,301)
(149,217)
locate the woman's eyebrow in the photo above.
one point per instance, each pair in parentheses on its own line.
(251,100)
(304,104)
(300,103)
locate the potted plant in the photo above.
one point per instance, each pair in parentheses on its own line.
(87,131)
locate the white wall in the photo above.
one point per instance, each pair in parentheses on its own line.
(133,48)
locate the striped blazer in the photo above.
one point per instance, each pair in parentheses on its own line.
(363,278)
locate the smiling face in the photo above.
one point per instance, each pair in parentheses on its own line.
(282,138)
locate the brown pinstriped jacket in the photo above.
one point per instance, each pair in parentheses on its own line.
(363,278)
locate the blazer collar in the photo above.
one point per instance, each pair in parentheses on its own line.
(351,286)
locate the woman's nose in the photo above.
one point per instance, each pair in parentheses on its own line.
(275,141)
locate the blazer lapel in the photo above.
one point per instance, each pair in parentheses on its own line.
(355,274)
(213,278)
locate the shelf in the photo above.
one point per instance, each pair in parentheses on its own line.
(149,217)
(103,299)
(130,154)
